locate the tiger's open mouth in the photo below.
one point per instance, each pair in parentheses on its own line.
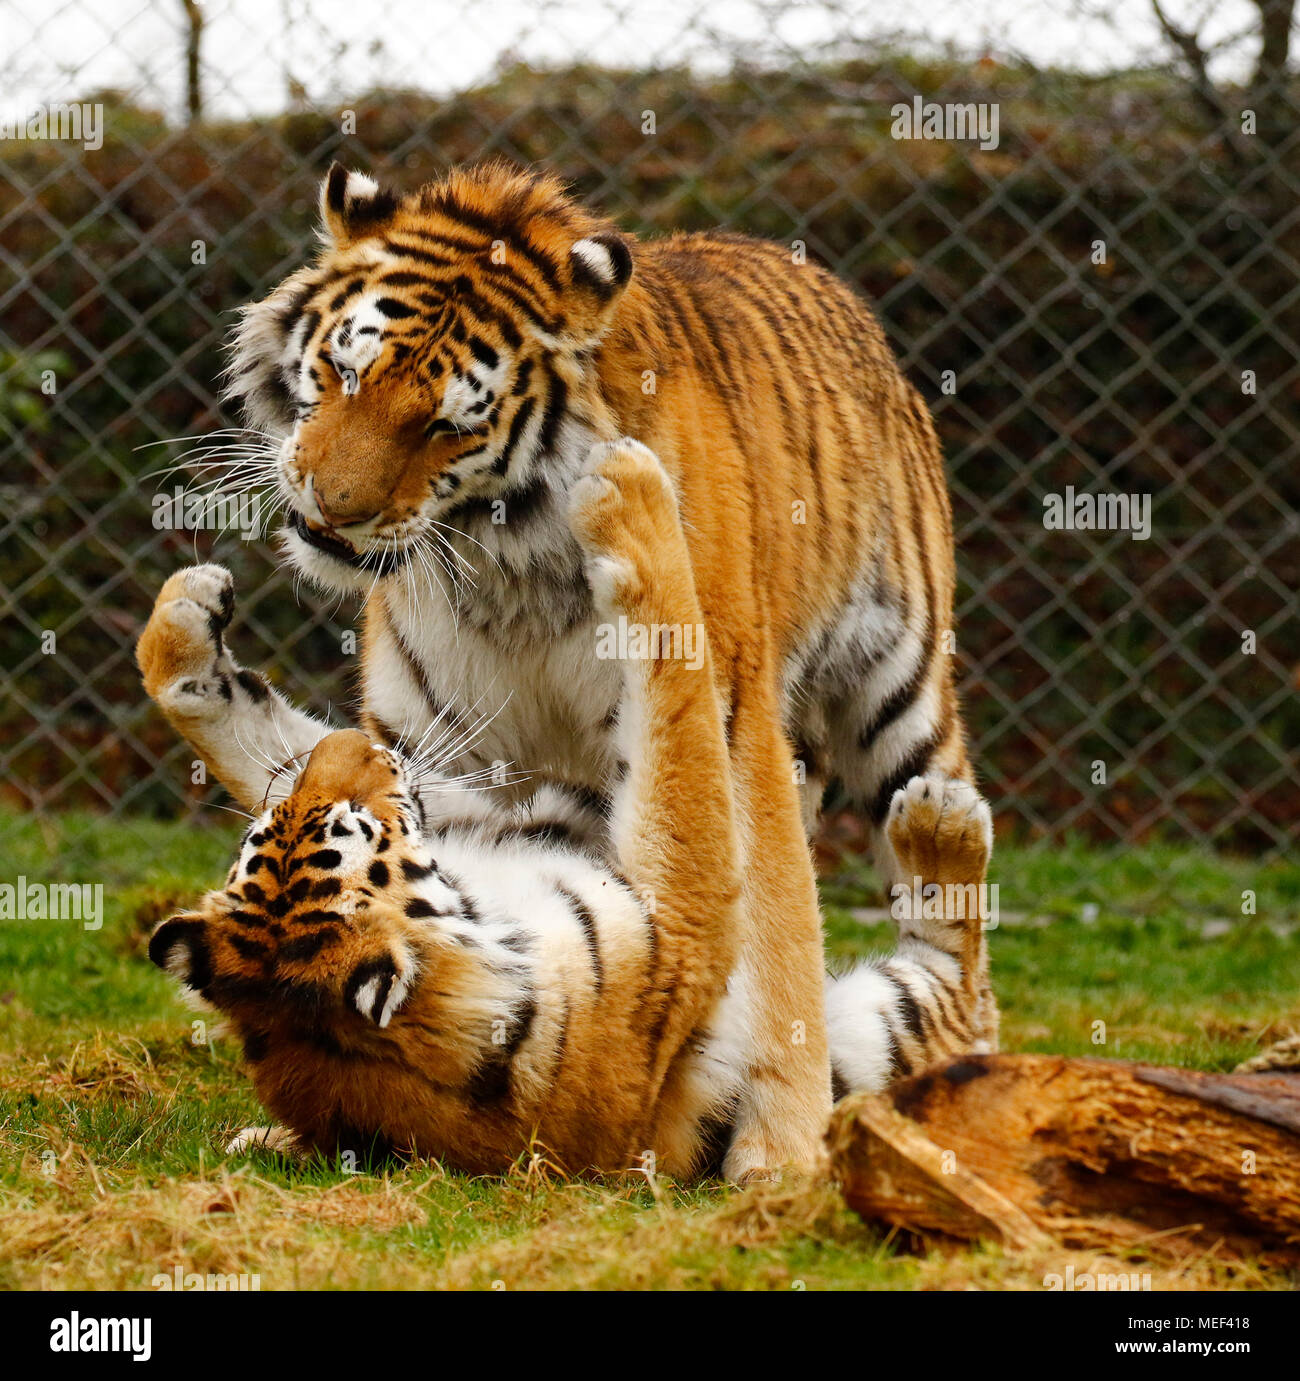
(374,562)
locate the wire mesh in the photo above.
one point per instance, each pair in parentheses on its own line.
(1100,298)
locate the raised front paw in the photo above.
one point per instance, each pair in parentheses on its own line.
(623,512)
(181,653)
(941,830)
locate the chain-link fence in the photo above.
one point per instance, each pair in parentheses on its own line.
(1093,279)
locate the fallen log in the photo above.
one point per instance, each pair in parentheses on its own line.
(1035,1150)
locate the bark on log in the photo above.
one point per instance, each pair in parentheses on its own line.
(1036,1149)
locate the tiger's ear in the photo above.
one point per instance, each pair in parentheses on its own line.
(352,206)
(180,945)
(377,987)
(601,264)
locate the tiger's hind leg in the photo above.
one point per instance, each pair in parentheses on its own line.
(882,710)
(931,999)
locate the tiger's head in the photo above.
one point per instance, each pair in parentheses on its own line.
(428,360)
(325,925)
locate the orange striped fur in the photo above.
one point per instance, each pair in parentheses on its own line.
(430,387)
(490,985)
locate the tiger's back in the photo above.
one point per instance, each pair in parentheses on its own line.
(814,485)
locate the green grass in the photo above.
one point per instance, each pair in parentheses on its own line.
(112,1118)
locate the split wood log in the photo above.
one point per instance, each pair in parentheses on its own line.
(1034,1150)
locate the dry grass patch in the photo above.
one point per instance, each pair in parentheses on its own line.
(122,1068)
(229,1223)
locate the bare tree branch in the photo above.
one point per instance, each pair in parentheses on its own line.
(1207,94)
(1275,18)
(193,37)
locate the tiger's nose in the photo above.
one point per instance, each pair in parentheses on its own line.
(346,761)
(337,514)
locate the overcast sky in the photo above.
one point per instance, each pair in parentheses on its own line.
(337,48)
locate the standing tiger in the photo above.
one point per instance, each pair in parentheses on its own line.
(428,390)
(473,987)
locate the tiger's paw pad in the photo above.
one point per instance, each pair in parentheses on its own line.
(211,587)
(181,651)
(941,830)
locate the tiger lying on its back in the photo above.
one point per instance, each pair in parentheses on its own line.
(462,990)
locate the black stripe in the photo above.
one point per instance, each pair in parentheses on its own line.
(426,256)
(588,922)
(542,832)
(405,279)
(553,326)
(317,917)
(248,949)
(913,765)
(418,907)
(413,665)
(523,374)
(483,352)
(287,314)
(468,910)
(557,398)
(381,968)
(595,802)
(494,230)
(482,306)
(898,1062)
(490,1083)
(897,702)
(520,420)
(942,1018)
(307,946)
(345,292)
(509,332)
(788,408)
(908,1006)
(393,309)
(253,686)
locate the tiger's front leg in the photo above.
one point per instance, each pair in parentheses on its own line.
(782,1119)
(234,721)
(673,829)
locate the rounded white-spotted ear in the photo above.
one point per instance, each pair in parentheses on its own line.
(378,987)
(602,263)
(353,205)
(180,946)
